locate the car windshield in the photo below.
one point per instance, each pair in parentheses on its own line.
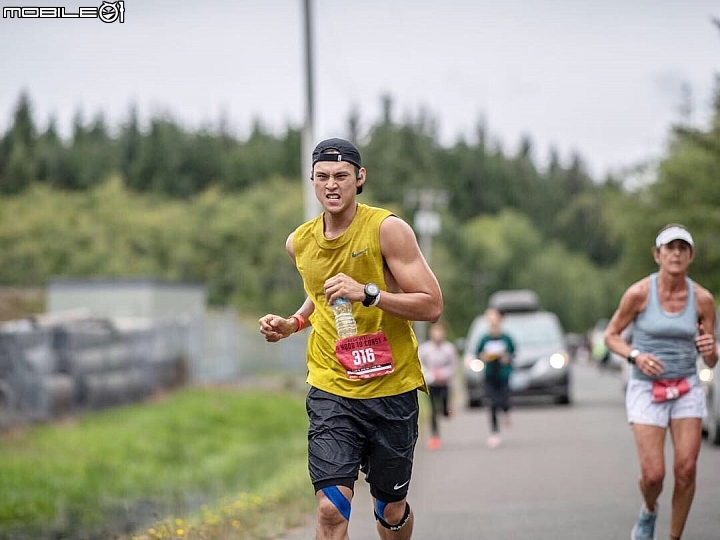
(527,329)
(532,330)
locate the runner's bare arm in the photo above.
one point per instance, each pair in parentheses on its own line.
(632,302)
(414,292)
(274,327)
(706,341)
(289,247)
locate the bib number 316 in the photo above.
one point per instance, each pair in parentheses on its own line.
(366,356)
(362,357)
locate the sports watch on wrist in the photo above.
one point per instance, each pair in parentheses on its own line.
(632,356)
(372,295)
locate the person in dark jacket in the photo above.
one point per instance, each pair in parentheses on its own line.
(497,350)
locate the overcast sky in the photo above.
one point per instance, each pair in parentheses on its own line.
(604,77)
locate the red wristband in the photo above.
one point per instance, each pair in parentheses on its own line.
(300,320)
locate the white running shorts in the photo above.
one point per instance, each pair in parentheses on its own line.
(641,409)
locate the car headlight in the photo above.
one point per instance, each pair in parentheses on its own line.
(706,375)
(477,365)
(558,360)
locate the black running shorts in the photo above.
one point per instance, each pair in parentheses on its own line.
(375,435)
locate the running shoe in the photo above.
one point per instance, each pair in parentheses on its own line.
(434,443)
(644,528)
(493,441)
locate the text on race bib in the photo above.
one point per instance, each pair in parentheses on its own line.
(366,356)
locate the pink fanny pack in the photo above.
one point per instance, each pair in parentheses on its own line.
(668,389)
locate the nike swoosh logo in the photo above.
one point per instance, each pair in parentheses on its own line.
(396,486)
(358,253)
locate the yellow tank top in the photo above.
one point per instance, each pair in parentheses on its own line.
(356,253)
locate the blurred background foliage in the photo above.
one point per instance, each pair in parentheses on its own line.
(205,205)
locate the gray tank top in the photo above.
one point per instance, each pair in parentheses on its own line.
(668,336)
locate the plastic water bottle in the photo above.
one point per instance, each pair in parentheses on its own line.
(344,320)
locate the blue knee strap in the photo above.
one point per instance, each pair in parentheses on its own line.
(338,499)
(380,508)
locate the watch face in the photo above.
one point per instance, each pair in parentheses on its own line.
(372,289)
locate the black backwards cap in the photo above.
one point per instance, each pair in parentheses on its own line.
(342,151)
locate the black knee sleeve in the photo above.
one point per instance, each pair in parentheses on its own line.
(385,524)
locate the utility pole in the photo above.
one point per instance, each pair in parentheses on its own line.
(311,204)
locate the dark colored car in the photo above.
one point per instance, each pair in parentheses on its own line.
(541,363)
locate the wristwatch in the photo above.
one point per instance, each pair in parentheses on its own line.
(372,295)
(632,356)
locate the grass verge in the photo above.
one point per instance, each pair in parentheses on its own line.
(210,462)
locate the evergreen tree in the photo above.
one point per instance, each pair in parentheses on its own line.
(17,166)
(130,148)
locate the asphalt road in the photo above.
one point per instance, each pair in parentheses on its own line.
(561,473)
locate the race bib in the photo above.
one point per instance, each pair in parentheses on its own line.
(366,356)
(669,389)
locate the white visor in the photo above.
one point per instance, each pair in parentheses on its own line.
(673,233)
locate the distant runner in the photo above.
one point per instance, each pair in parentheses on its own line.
(497,350)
